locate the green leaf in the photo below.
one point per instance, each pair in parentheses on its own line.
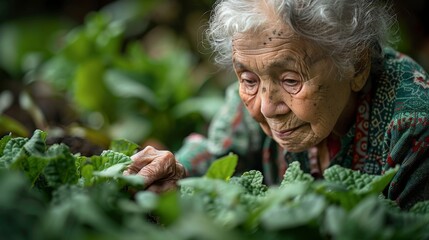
(147,200)
(26,155)
(125,86)
(36,144)
(87,174)
(59,72)
(20,208)
(107,159)
(168,207)
(90,92)
(133,180)
(350,178)
(358,182)
(31,166)
(294,174)
(112,171)
(132,127)
(13,151)
(27,35)
(210,185)
(207,106)
(61,168)
(421,207)
(78,46)
(222,168)
(334,220)
(75,216)
(8,124)
(124,146)
(368,216)
(299,212)
(337,193)
(109,165)
(4,140)
(379,182)
(111,158)
(281,194)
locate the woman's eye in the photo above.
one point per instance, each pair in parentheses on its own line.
(292,85)
(290,82)
(249,82)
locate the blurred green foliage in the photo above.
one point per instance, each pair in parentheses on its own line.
(122,80)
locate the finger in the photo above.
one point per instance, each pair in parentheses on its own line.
(170,182)
(140,160)
(148,150)
(161,167)
(180,171)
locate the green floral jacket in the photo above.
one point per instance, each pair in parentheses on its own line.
(392,127)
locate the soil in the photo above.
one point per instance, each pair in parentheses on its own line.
(77,145)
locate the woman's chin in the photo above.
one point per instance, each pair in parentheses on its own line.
(293,147)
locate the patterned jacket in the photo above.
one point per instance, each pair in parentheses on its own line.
(391,127)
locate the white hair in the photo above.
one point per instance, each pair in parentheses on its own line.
(343,29)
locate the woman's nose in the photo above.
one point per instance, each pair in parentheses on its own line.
(272,102)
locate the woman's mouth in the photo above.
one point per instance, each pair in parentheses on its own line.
(282,134)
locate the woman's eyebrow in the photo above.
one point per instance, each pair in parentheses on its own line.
(287,62)
(238,65)
(284,63)
(292,63)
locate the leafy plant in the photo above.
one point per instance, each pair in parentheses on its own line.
(49,193)
(118,84)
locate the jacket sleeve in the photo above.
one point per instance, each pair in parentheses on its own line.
(407,144)
(231,130)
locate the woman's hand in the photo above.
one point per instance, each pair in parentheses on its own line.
(160,169)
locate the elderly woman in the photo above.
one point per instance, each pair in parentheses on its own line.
(316,84)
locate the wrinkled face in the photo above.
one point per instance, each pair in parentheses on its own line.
(289,86)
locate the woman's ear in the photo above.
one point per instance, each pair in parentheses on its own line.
(362,69)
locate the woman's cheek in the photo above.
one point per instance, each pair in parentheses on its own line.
(253,105)
(266,128)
